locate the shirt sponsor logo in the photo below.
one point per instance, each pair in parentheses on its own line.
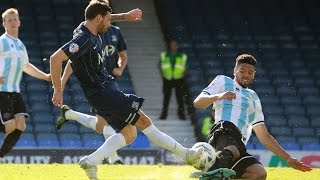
(73,48)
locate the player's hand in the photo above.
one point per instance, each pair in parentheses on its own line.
(295,164)
(57,98)
(1,80)
(117,72)
(134,15)
(227,95)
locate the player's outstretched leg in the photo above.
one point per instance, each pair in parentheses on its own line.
(189,155)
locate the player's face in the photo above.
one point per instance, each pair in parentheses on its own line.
(105,23)
(244,74)
(11,22)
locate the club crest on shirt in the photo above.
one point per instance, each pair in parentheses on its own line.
(135,105)
(114,38)
(73,48)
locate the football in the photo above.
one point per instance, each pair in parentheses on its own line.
(208,157)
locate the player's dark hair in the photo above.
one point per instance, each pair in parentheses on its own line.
(246,59)
(95,8)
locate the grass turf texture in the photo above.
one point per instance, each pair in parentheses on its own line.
(128,172)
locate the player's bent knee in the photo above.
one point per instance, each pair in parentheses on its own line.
(143,121)
(20,122)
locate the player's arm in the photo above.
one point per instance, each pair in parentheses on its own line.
(66,74)
(204,100)
(122,63)
(35,72)
(270,143)
(55,69)
(133,15)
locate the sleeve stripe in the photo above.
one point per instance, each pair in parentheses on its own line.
(256,123)
(206,92)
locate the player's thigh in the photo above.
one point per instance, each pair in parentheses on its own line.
(101,122)
(255,171)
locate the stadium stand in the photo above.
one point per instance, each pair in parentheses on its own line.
(282,35)
(45,26)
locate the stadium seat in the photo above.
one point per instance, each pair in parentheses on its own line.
(311,147)
(286,139)
(27,140)
(294,109)
(298,121)
(290,146)
(281,131)
(301,132)
(42,117)
(70,140)
(40,107)
(70,128)
(275,120)
(140,142)
(259,146)
(44,128)
(84,129)
(47,140)
(308,140)
(92,140)
(315,121)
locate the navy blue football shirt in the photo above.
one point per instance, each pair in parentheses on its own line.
(113,44)
(87,53)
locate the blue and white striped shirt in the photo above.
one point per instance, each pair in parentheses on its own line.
(13,56)
(245,111)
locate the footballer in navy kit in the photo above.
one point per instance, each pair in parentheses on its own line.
(122,111)
(115,62)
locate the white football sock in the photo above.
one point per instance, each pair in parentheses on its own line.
(164,140)
(107,132)
(112,144)
(84,119)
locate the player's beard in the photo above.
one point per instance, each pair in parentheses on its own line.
(102,28)
(245,82)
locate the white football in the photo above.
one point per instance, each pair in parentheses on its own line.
(208,157)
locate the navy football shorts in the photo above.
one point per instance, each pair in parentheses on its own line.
(117,108)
